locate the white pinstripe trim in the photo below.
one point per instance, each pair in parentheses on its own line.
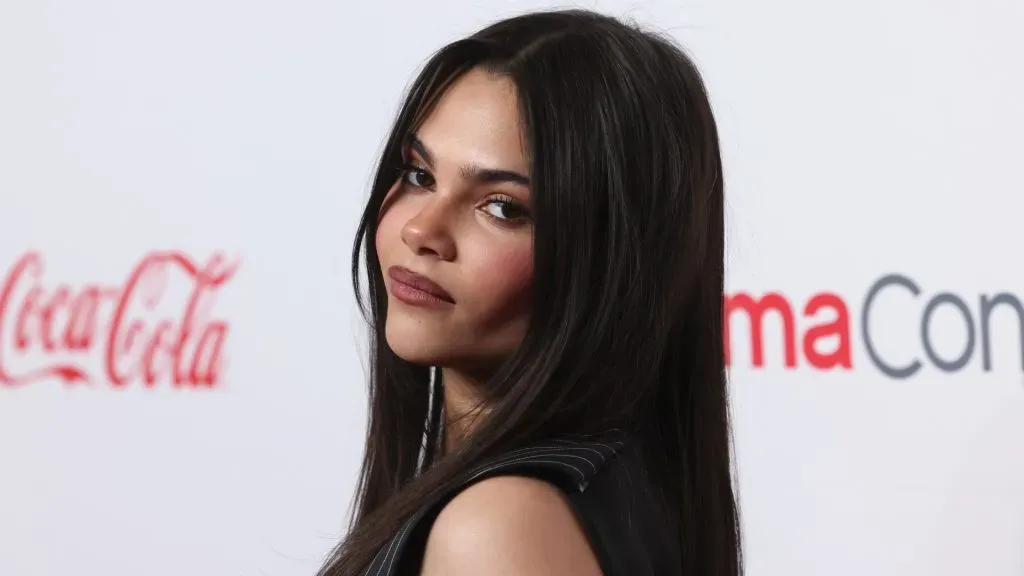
(565,446)
(376,557)
(527,453)
(550,451)
(578,447)
(390,547)
(400,539)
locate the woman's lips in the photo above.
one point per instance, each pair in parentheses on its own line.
(416,289)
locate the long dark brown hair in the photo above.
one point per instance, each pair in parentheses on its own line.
(626,329)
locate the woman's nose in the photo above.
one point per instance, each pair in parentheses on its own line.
(429,232)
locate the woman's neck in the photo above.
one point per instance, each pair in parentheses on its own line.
(462,410)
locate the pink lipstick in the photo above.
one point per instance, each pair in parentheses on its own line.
(417,290)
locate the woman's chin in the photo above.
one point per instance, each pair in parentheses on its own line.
(416,344)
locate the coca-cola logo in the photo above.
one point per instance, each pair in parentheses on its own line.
(154,328)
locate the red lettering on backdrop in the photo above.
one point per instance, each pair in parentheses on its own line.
(840,328)
(184,351)
(756,309)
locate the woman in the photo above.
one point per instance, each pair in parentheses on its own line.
(544,255)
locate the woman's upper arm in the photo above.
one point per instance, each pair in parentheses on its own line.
(512,526)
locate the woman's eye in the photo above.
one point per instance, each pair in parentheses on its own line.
(417,177)
(505,210)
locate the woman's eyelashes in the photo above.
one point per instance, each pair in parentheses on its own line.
(502,208)
(416,176)
(505,209)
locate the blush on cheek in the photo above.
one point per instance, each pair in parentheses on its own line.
(506,278)
(501,306)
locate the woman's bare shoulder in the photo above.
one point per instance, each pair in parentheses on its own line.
(509,525)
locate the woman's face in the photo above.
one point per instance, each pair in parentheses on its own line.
(455,237)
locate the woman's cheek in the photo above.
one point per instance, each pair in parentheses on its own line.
(505,275)
(389,230)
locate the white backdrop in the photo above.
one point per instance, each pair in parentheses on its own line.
(224,148)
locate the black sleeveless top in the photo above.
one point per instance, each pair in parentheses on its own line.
(607,486)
